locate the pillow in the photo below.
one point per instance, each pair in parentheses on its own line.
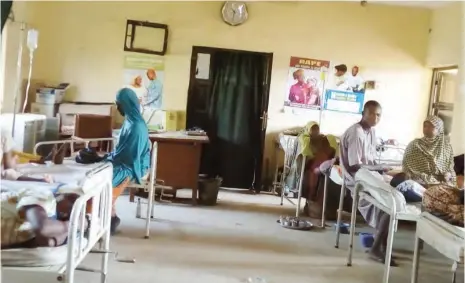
(412,191)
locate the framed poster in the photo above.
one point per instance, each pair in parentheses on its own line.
(344,101)
(305,82)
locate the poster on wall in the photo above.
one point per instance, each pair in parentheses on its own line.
(305,83)
(345,89)
(144,74)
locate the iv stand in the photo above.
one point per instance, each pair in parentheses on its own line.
(18,76)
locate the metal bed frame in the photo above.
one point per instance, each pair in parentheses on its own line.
(74,140)
(98,187)
(360,193)
(421,237)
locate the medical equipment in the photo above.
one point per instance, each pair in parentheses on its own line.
(446,238)
(32,43)
(65,260)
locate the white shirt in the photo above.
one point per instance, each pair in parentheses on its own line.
(339,83)
(356,82)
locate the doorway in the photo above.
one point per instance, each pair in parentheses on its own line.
(443,90)
(228,98)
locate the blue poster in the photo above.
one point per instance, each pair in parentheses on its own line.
(344,101)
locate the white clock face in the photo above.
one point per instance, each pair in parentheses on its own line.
(234,12)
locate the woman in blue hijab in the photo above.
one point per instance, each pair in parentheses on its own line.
(131,157)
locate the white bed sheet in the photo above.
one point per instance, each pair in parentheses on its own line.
(70,174)
(446,238)
(376,186)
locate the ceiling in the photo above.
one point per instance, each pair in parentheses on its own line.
(423,4)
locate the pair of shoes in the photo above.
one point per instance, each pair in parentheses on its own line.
(115,221)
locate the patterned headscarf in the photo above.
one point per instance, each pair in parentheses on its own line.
(430,160)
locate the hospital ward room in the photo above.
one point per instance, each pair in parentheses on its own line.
(208,142)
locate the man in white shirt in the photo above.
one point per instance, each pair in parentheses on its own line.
(355,81)
(339,80)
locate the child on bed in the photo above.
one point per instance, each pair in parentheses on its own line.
(34,217)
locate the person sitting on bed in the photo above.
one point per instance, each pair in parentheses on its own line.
(131,157)
(358,146)
(429,160)
(33,217)
(8,162)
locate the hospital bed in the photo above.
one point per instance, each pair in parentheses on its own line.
(386,154)
(370,186)
(149,181)
(446,238)
(59,264)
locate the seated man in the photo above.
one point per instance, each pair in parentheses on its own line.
(358,146)
(8,164)
(33,217)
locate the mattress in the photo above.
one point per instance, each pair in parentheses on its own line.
(38,257)
(381,191)
(446,238)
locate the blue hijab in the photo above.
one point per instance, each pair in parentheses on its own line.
(131,157)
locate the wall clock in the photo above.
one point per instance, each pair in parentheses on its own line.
(234,12)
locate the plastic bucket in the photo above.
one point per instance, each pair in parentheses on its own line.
(366,240)
(208,190)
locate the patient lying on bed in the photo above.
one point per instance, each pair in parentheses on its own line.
(32,218)
(8,163)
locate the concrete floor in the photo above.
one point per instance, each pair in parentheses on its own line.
(238,239)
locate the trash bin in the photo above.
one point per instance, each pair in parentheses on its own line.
(208,190)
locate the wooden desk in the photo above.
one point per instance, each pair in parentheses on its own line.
(178,159)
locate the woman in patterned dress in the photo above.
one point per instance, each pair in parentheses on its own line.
(430,162)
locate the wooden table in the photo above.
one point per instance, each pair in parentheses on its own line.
(178,159)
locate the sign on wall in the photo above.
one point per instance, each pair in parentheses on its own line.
(144,74)
(305,83)
(345,89)
(343,101)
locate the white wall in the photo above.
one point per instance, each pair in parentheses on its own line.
(82,42)
(446,48)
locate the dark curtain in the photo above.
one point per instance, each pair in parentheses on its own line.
(235,110)
(6,8)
